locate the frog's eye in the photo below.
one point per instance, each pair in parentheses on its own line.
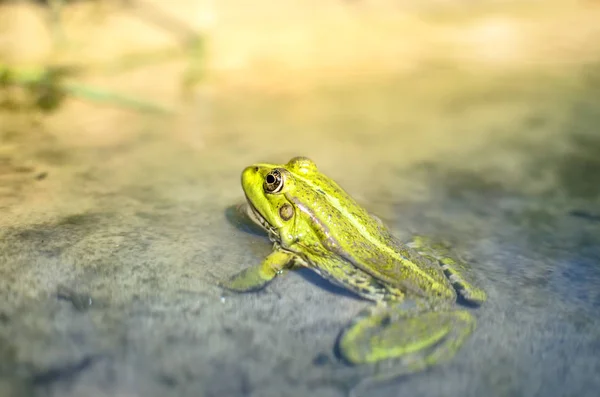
(273,182)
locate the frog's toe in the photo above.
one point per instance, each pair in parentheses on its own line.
(424,339)
(473,295)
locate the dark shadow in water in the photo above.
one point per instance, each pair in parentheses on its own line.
(313,278)
(65,372)
(585,215)
(241,221)
(465,303)
(336,349)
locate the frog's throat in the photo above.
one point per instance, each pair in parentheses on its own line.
(256,217)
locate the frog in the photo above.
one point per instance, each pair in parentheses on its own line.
(414,285)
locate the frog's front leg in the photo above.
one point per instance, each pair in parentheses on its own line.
(412,341)
(257,277)
(452,268)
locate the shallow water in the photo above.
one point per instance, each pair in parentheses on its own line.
(109,254)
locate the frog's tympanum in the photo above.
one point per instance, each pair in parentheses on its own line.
(313,222)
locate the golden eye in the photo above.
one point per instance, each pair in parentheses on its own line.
(273,182)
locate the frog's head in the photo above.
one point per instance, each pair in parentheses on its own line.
(269,189)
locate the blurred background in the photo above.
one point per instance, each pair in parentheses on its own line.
(124,126)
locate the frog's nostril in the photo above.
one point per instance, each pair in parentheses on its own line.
(255,169)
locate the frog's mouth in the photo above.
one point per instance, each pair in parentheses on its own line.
(256,217)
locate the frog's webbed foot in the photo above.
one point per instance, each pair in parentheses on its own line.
(257,277)
(452,268)
(410,342)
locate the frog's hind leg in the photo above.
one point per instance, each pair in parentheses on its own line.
(409,342)
(452,268)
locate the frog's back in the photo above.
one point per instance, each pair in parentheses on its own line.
(363,242)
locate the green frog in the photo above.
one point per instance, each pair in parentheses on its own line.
(314,223)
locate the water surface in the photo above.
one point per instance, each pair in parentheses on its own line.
(109,253)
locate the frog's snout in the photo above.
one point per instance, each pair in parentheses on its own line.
(249,174)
